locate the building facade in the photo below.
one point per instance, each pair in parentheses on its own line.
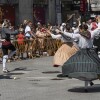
(53,11)
(44,11)
(36,10)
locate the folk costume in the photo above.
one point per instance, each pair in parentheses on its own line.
(67,49)
(85,64)
(7,45)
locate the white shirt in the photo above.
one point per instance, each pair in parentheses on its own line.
(76,30)
(89,27)
(59,36)
(84,42)
(27,29)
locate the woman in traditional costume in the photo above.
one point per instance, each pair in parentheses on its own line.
(67,49)
(85,64)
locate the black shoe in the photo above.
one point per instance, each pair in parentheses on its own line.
(61,75)
(91,83)
(86,90)
(5,71)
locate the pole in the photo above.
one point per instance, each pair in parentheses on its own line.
(89,7)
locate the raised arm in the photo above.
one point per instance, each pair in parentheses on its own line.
(71,35)
(8,31)
(56,36)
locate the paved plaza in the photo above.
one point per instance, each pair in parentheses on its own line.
(36,79)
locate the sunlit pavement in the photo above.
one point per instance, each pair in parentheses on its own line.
(36,79)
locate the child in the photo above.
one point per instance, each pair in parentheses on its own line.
(20,40)
(20,36)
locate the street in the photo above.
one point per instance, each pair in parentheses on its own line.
(36,79)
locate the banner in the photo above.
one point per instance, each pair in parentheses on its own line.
(83,6)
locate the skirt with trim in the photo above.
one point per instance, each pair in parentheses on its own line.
(84,65)
(64,53)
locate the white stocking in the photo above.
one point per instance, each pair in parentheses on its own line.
(5,57)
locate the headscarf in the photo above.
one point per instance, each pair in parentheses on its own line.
(86,34)
(85,31)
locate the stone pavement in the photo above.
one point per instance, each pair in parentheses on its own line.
(36,79)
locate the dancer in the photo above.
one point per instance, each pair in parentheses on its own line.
(67,49)
(85,64)
(6,44)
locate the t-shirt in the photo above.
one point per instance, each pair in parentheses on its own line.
(20,38)
(27,29)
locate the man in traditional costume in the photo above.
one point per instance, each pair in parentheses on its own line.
(6,44)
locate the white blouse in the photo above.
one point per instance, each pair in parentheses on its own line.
(75,30)
(84,42)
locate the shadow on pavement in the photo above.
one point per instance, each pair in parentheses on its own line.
(51,72)
(91,89)
(16,71)
(19,69)
(5,77)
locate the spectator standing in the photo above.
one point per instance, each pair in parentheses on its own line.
(20,36)
(28,31)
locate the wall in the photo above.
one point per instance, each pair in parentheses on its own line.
(51,12)
(25,10)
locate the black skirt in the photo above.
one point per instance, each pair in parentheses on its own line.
(84,65)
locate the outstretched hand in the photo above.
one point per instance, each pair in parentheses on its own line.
(3,40)
(57,31)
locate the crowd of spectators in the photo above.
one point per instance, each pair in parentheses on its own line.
(30,31)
